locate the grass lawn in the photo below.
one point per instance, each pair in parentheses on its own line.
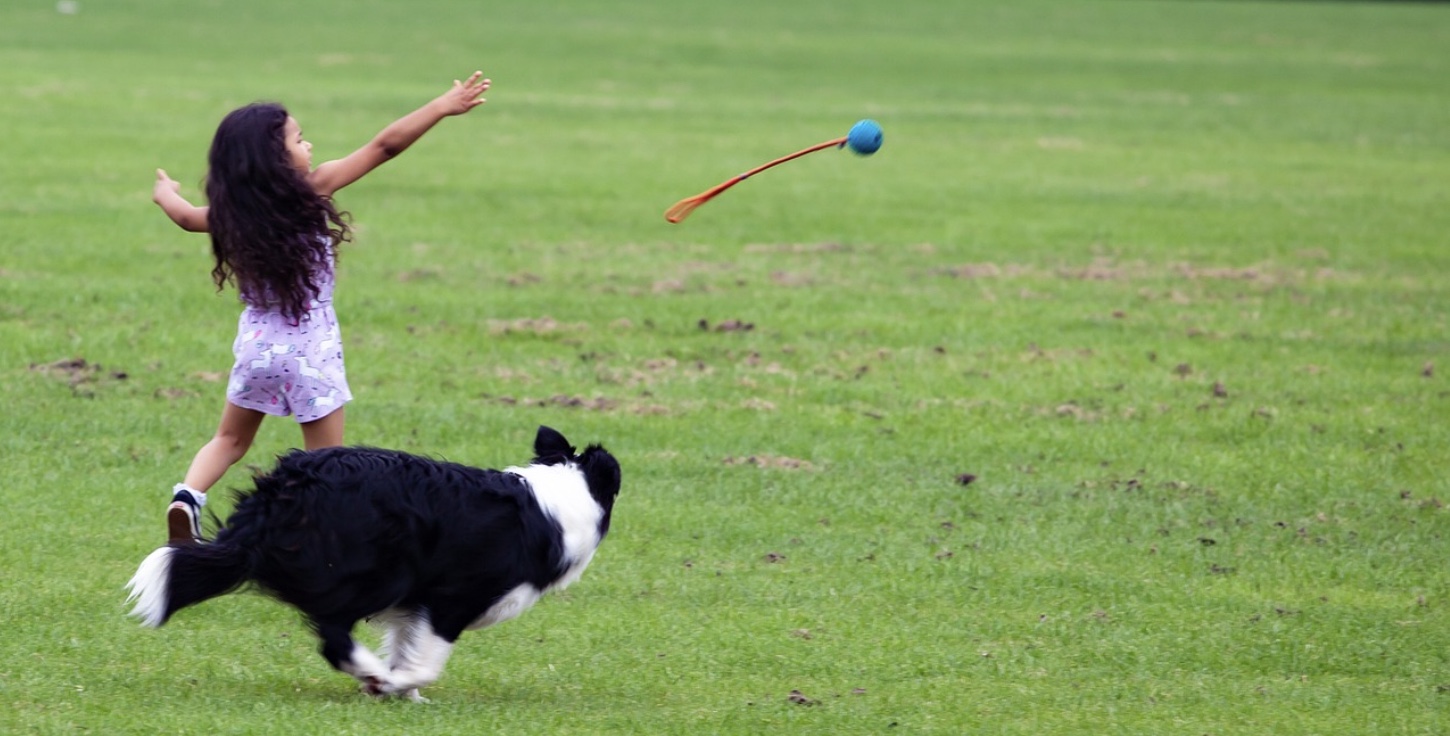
(1109,397)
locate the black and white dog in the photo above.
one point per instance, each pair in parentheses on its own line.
(424,547)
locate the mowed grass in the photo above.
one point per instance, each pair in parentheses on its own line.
(1109,397)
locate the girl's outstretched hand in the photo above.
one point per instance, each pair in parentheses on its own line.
(464,96)
(164,185)
(166,192)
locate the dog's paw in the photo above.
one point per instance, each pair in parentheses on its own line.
(374,686)
(383,689)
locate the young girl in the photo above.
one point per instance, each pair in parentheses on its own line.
(274,233)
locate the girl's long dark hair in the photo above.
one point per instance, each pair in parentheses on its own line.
(271,233)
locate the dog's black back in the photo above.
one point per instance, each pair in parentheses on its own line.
(348,532)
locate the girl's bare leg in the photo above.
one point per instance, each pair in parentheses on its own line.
(324,432)
(233,438)
(234,435)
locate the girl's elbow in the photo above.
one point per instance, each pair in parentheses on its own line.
(389,151)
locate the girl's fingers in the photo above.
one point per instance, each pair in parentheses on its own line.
(477,82)
(470,90)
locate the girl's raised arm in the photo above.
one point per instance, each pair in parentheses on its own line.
(394,139)
(167,194)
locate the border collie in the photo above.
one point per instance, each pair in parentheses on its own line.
(426,548)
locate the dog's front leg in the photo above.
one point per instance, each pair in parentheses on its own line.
(402,642)
(416,655)
(346,655)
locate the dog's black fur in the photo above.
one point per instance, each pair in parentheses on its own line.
(429,548)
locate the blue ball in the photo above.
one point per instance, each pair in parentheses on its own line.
(865,137)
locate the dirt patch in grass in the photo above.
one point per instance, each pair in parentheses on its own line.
(796,248)
(652,371)
(799,698)
(771,461)
(83,376)
(1126,272)
(539,326)
(1070,409)
(597,403)
(787,279)
(429,273)
(729,325)
(175,394)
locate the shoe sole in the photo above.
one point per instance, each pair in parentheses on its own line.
(178,525)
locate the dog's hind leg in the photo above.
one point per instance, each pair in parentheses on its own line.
(416,655)
(346,655)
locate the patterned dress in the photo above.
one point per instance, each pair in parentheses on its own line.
(285,366)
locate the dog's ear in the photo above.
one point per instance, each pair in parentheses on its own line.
(601,472)
(551,447)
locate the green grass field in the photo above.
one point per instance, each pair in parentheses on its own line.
(1164,280)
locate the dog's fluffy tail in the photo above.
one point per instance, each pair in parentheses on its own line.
(172,578)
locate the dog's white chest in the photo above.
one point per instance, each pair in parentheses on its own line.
(562,493)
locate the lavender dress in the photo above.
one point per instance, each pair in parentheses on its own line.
(290,367)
